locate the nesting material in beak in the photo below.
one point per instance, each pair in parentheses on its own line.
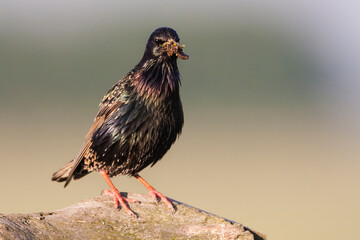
(171,47)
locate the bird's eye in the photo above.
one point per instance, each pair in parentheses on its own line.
(159,41)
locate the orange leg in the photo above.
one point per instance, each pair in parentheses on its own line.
(117,197)
(153,193)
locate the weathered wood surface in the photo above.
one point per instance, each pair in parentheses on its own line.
(96,218)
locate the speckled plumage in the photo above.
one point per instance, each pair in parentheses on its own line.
(140,117)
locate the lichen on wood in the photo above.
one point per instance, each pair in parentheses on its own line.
(96,218)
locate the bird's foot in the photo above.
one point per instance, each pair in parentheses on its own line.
(155,195)
(122,200)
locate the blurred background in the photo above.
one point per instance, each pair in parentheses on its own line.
(270,94)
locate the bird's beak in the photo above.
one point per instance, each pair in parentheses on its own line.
(171,47)
(181,54)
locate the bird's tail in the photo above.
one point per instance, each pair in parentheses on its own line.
(68,172)
(63,174)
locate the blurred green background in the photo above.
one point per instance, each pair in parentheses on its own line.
(270,94)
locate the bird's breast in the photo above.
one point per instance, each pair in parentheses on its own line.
(139,134)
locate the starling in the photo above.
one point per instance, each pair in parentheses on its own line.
(139,119)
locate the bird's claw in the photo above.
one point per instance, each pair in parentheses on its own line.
(122,200)
(155,195)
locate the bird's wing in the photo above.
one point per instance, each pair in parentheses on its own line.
(107,107)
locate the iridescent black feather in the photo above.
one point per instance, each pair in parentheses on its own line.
(139,118)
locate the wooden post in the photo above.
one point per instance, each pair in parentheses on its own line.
(96,218)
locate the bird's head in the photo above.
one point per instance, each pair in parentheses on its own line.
(164,44)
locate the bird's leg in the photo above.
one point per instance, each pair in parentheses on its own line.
(153,193)
(117,197)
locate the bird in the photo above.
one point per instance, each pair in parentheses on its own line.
(138,120)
